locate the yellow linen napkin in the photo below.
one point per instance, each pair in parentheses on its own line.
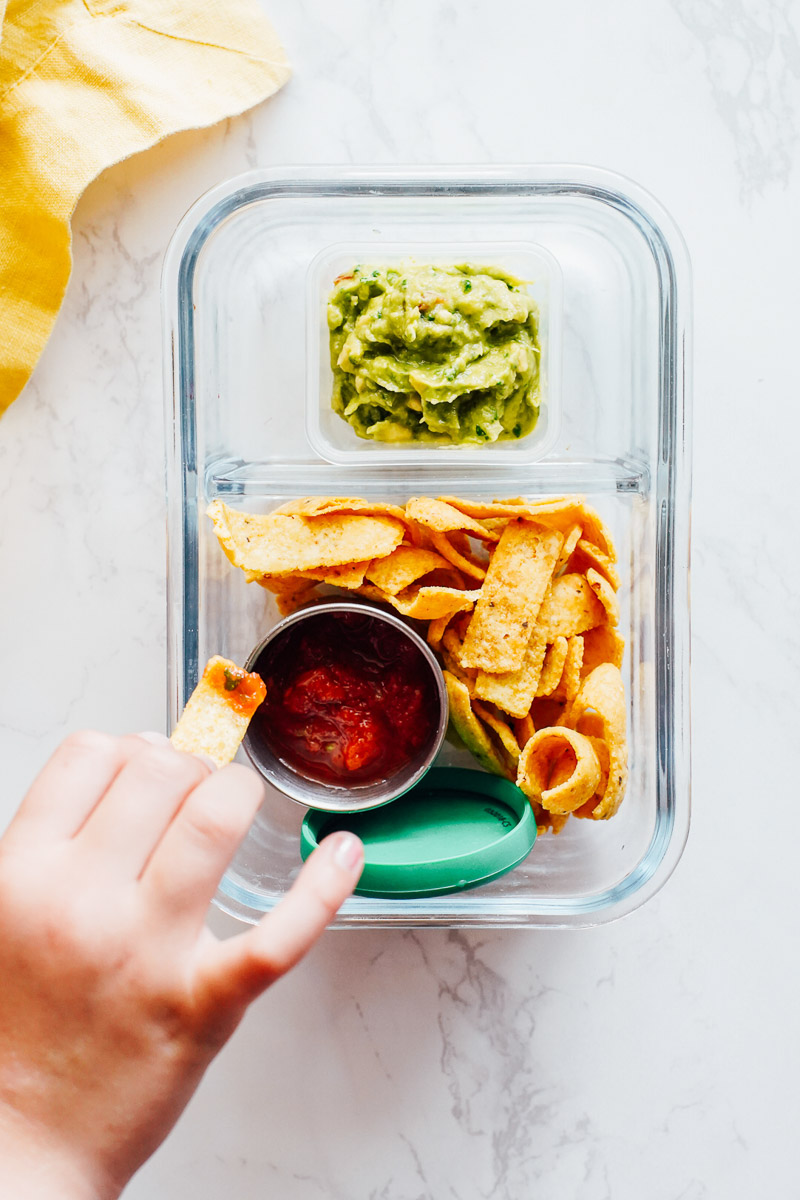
(83,84)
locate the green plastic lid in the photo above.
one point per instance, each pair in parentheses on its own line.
(456,829)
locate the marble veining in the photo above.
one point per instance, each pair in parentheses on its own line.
(752,57)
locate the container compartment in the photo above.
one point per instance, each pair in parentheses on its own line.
(334,440)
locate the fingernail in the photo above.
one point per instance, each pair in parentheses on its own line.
(212,766)
(349,853)
(150,735)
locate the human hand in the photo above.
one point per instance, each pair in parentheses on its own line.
(114,996)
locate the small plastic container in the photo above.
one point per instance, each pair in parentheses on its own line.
(456,829)
(337,442)
(236,313)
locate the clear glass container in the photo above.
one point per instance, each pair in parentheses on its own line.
(235,317)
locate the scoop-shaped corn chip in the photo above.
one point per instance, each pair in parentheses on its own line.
(552,667)
(602,695)
(570,607)
(563,768)
(508,604)
(402,567)
(591,723)
(500,727)
(470,730)
(447,550)
(605,594)
(218,711)
(601,750)
(602,644)
(284,544)
(543,774)
(440,516)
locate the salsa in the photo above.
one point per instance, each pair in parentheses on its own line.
(434,353)
(349,699)
(241,690)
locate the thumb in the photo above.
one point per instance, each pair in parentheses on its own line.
(244,966)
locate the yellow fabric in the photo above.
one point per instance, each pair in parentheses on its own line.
(83,84)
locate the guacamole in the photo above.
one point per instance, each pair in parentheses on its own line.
(423,353)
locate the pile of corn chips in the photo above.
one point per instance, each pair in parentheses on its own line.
(520,598)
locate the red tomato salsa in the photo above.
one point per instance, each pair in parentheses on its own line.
(241,690)
(350,699)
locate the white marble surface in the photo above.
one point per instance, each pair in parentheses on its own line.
(655,1058)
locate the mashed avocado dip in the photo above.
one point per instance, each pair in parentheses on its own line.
(426,353)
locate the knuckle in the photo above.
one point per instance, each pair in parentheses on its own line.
(163,765)
(63,930)
(88,741)
(214,825)
(244,781)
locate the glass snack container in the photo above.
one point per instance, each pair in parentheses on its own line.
(243,384)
